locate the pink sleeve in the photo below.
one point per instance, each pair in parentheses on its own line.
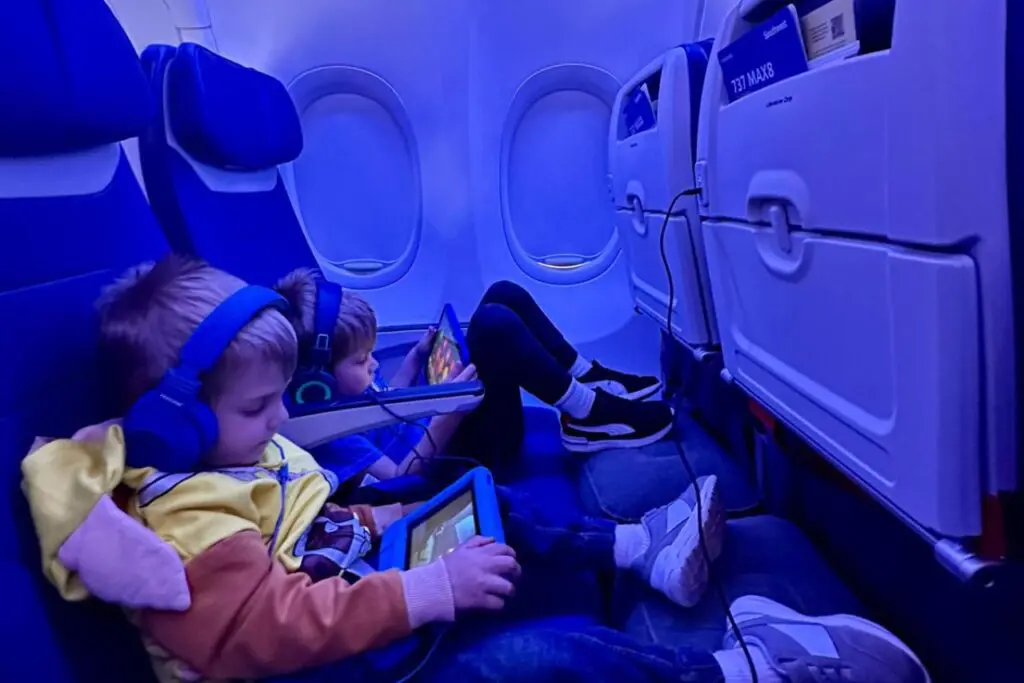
(124,563)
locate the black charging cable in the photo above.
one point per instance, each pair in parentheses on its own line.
(712,578)
(437,456)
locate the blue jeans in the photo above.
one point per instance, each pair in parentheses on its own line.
(514,346)
(530,653)
(532,639)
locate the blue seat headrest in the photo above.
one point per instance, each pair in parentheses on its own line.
(55,102)
(229,116)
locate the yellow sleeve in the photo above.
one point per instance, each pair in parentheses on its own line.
(63,480)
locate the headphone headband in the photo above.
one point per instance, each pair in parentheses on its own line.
(213,335)
(325,317)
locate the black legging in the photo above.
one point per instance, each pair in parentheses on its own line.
(514,346)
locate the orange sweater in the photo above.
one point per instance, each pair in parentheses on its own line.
(250,618)
(243,536)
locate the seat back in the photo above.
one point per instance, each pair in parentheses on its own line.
(72,216)
(649,166)
(862,287)
(210,162)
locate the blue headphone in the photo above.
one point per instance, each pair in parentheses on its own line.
(314,381)
(170,427)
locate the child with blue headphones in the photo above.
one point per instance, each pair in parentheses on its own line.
(277,585)
(513,346)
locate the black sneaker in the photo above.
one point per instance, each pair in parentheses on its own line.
(615,422)
(630,387)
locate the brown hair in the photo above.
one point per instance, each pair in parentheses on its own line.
(355,328)
(148,314)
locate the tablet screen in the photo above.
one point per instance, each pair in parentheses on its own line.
(443,531)
(444,361)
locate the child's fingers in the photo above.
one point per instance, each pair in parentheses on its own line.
(500,549)
(478,542)
(492,603)
(496,585)
(506,566)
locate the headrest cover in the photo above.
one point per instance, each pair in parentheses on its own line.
(230,116)
(69,78)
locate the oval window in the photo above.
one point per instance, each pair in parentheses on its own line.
(558,220)
(357,182)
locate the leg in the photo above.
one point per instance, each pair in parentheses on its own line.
(549,655)
(584,543)
(493,433)
(507,353)
(519,301)
(508,357)
(671,548)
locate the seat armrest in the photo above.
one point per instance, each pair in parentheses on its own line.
(312,425)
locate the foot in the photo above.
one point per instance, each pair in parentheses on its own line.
(674,562)
(796,647)
(623,384)
(616,423)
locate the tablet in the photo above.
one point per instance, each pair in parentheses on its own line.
(449,354)
(467,508)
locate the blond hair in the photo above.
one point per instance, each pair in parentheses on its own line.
(355,329)
(148,314)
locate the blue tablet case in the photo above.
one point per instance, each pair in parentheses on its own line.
(394,549)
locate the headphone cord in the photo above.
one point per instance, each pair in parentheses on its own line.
(419,456)
(713,579)
(437,456)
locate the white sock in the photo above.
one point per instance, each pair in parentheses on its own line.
(631,541)
(580,366)
(736,668)
(577,401)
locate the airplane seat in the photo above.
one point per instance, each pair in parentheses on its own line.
(73,217)
(210,163)
(855,299)
(652,142)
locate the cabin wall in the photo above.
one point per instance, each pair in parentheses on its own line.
(450,144)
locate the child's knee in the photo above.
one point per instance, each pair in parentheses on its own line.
(504,292)
(490,323)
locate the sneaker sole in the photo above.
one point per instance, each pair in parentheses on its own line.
(582,445)
(754,607)
(694,569)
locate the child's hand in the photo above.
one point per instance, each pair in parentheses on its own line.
(422,347)
(467,374)
(482,573)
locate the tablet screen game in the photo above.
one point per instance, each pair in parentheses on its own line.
(443,531)
(445,361)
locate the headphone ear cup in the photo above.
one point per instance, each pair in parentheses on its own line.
(311,387)
(171,437)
